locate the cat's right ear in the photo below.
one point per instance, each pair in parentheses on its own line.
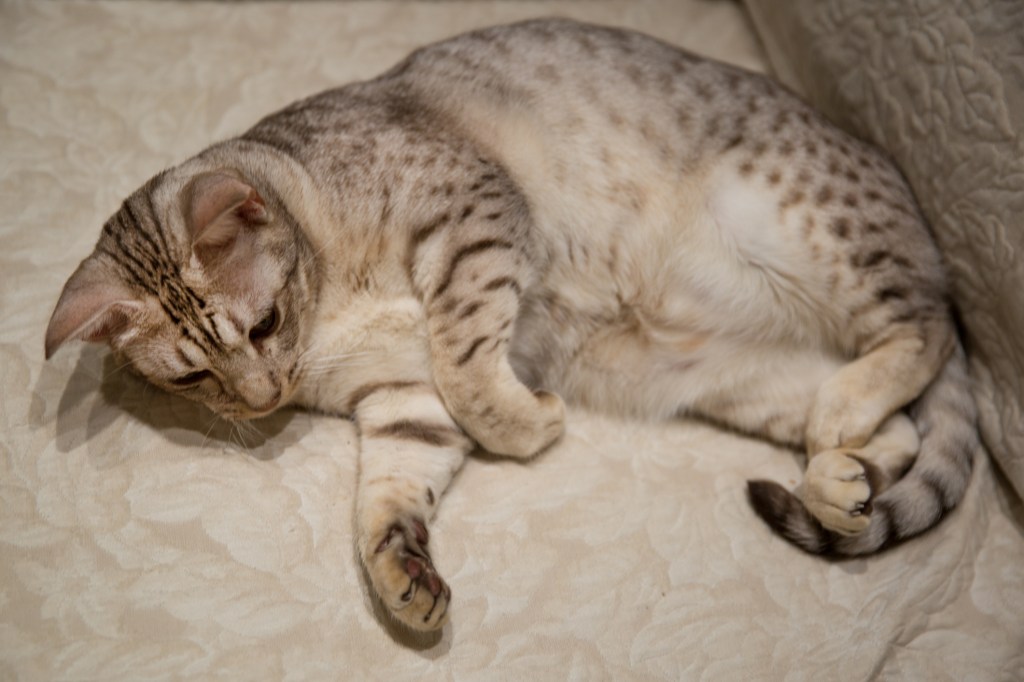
(94,306)
(218,206)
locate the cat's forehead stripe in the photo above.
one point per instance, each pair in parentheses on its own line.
(212,319)
(185,360)
(129,265)
(154,253)
(148,191)
(148,266)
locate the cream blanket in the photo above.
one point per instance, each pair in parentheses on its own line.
(139,540)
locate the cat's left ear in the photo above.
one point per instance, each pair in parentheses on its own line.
(95,305)
(218,207)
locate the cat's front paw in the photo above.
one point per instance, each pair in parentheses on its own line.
(836,491)
(404,577)
(520,430)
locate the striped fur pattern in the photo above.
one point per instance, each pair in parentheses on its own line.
(540,212)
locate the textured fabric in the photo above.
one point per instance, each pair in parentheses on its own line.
(940,85)
(141,540)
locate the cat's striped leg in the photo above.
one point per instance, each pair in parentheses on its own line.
(472,277)
(410,448)
(488,400)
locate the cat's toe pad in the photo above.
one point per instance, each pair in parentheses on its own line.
(837,493)
(404,577)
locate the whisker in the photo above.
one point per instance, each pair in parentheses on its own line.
(320,371)
(213,423)
(329,242)
(331,366)
(249,428)
(310,348)
(120,367)
(339,356)
(101,375)
(335,359)
(332,363)
(242,442)
(238,438)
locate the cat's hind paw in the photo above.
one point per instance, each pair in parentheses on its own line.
(837,492)
(403,575)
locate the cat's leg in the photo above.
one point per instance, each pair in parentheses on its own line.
(472,279)
(490,402)
(852,403)
(410,448)
(857,442)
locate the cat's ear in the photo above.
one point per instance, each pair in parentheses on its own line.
(218,207)
(94,306)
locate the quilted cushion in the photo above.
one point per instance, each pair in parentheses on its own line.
(940,85)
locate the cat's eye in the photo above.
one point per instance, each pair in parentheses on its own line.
(192,378)
(265,327)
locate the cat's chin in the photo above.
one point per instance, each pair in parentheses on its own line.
(247,415)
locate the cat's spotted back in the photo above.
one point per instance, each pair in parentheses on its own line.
(541,210)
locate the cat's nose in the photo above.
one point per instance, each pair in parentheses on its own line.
(259,392)
(270,403)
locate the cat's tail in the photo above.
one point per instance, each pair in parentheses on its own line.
(946,419)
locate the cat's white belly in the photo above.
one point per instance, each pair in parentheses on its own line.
(630,364)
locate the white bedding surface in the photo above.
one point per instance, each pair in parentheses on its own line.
(139,540)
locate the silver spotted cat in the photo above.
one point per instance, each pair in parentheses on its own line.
(540,212)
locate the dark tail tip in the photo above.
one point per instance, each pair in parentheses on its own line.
(788,517)
(771,501)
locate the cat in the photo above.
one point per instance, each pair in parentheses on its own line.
(544,211)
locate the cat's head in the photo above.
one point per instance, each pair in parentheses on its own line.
(204,285)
